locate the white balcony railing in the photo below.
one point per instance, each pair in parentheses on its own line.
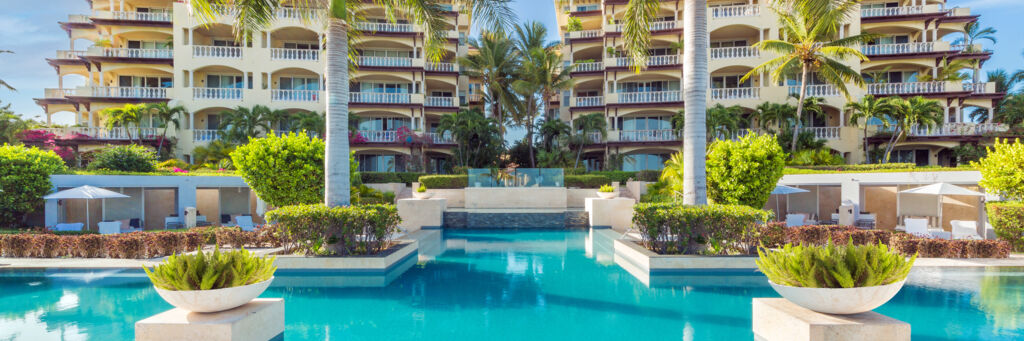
(379,97)
(58,93)
(292,13)
(905,48)
(594,137)
(207,51)
(584,34)
(217,93)
(294,54)
(648,135)
(736,93)
(956,129)
(116,133)
(142,16)
(205,135)
(79,19)
(654,26)
(138,53)
(906,88)
(975,88)
(588,67)
(384,27)
(735,52)
(735,11)
(440,67)
(67,54)
(379,135)
(825,133)
(670,59)
(588,101)
(384,61)
(473,98)
(817,90)
(891,11)
(127,92)
(445,138)
(439,101)
(650,96)
(282,95)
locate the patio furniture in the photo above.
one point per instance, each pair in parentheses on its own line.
(68,227)
(109,227)
(939,190)
(85,192)
(173,222)
(795,219)
(784,190)
(919,227)
(865,221)
(245,222)
(963,229)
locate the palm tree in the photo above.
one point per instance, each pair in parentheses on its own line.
(910,113)
(636,36)
(722,121)
(2,83)
(242,123)
(550,132)
(479,141)
(495,63)
(869,107)
(586,125)
(129,114)
(309,121)
(12,125)
(167,115)
(950,71)
(255,15)
(973,33)
(811,29)
(539,76)
(673,174)
(770,114)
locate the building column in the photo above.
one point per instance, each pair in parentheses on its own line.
(111,5)
(188,40)
(101,79)
(122,6)
(51,212)
(192,120)
(186,198)
(89,115)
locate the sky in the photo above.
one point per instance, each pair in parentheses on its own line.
(30,30)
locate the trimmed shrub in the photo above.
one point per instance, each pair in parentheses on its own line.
(574,171)
(903,243)
(131,245)
(444,181)
(90,246)
(859,167)
(125,158)
(1007,218)
(1002,170)
(165,243)
(379,177)
(343,231)
(585,181)
(744,172)
(47,246)
(670,228)
(409,177)
(283,169)
(25,179)
(18,245)
(648,175)
(172,164)
(618,176)
(771,235)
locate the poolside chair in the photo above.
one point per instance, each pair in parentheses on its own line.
(109,227)
(68,227)
(245,222)
(796,219)
(173,222)
(919,227)
(865,221)
(965,229)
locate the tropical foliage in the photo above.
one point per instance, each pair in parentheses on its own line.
(216,270)
(672,228)
(283,170)
(833,266)
(744,172)
(12,125)
(1002,170)
(25,179)
(343,231)
(479,138)
(911,113)
(125,158)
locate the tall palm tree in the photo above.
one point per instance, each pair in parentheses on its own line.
(869,107)
(539,76)
(771,114)
(126,116)
(495,63)
(722,121)
(909,113)
(586,125)
(255,15)
(311,122)
(2,83)
(950,71)
(167,115)
(551,130)
(974,33)
(242,123)
(812,46)
(479,141)
(636,34)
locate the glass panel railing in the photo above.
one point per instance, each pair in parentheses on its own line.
(517,177)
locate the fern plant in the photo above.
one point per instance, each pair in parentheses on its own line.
(216,270)
(833,266)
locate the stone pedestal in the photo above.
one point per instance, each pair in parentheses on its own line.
(776,319)
(261,319)
(421,213)
(615,213)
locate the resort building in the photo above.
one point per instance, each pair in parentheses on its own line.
(638,106)
(144,51)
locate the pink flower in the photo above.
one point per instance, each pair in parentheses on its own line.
(179,170)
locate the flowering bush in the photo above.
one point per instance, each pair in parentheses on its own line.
(356,137)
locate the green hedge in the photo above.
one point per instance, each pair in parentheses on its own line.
(586,181)
(379,177)
(444,181)
(648,175)
(617,176)
(343,231)
(1007,218)
(671,228)
(859,167)
(574,171)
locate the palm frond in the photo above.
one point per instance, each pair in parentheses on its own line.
(636,31)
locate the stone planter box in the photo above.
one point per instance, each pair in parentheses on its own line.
(577,197)
(516,197)
(643,263)
(393,187)
(369,264)
(456,198)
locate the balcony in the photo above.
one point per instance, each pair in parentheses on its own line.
(225,52)
(824,133)
(891,49)
(817,90)
(440,67)
(384,61)
(735,52)
(116,133)
(217,93)
(135,16)
(58,93)
(584,34)
(588,101)
(649,97)
(294,14)
(737,11)
(663,60)
(736,93)
(885,89)
(294,54)
(891,11)
(437,101)
(474,98)
(595,137)
(648,135)
(379,136)
(110,52)
(282,95)
(588,67)
(385,27)
(654,26)
(79,19)
(980,88)
(380,97)
(445,138)
(955,129)
(69,55)
(122,92)
(205,135)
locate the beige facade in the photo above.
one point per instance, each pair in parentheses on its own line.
(141,51)
(637,106)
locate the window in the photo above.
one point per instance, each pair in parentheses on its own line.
(386,53)
(383,123)
(902,39)
(880,5)
(587,93)
(729,43)
(212,121)
(381,163)
(729,82)
(221,42)
(639,162)
(648,86)
(145,82)
(149,45)
(645,123)
(891,77)
(224,81)
(390,88)
(302,46)
(299,83)
(441,94)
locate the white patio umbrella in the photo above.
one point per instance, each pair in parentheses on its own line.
(785,190)
(939,190)
(85,192)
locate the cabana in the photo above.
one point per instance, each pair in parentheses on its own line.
(939,190)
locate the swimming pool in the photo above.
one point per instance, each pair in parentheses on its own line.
(547,285)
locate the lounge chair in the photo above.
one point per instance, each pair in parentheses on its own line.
(796,219)
(109,227)
(865,221)
(173,222)
(245,222)
(919,227)
(963,229)
(68,227)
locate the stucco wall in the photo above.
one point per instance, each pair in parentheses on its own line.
(532,197)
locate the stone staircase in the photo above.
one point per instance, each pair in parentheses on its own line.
(406,193)
(626,193)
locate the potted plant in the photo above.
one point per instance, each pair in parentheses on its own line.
(835,279)
(606,192)
(421,192)
(206,283)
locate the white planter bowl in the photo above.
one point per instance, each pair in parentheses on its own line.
(209,301)
(840,300)
(606,195)
(424,195)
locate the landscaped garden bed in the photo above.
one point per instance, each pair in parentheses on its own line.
(135,245)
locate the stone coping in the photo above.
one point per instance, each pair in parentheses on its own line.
(777,319)
(261,319)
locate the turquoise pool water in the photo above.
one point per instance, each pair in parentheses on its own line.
(488,285)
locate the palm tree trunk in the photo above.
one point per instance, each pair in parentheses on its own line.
(336,163)
(866,156)
(529,142)
(163,136)
(800,107)
(695,86)
(892,142)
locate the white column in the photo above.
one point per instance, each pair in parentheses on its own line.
(192,119)
(89,124)
(122,6)
(60,81)
(101,79)
(190,40)
(111,5)
(268,40)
